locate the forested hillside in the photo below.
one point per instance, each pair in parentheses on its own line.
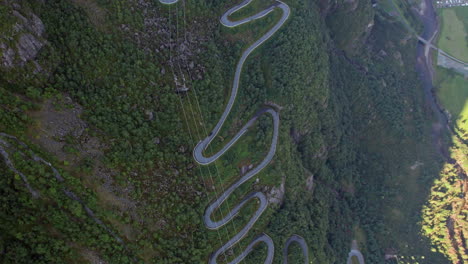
(97,88)
(445,214)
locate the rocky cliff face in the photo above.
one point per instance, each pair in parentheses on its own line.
(21,38)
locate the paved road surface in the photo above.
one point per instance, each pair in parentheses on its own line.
(429,44)
(302,243)
(355,253)
(202,145)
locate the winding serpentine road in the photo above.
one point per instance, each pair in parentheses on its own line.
(202,145)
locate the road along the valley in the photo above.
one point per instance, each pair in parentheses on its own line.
(203,144)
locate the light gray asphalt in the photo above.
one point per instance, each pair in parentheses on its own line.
(302,243)
(355,253)
(203,144)
(428,43)
(168,2)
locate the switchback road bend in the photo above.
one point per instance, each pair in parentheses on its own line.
(203,144)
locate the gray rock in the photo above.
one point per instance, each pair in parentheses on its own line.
(20,17)
(310,183)
(28,47)
(28,31)
(8,55)
(182,149)
(149,115)
(276,194)
(36,26)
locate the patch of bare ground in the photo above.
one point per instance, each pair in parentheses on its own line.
(96,14)
(454,251)
(60,130)
(416,165)
(91,256)
(397,56)
(407,38)
(107,191)
(353,4)
(422,8)
(310,182)
(275,195)
(157,35)
(348,187)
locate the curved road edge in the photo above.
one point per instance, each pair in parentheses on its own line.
(203,144)
(355,253)
(302,243)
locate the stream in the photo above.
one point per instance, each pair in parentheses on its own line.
(425,71)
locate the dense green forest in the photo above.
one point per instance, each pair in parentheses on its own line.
(99,101)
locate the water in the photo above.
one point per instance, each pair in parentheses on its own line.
(424,68)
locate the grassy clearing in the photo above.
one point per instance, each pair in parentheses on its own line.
(453,95)
(462,14)
(462,122)
(452,92)
(453,35)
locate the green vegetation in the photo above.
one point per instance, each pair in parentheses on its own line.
(356,127)
(444,220)
(393,9)
(354,260)
(445,215)
(37,229)
(451,89)
(454,32)
(462,15)
(6,20)
(358,17)
(251,9)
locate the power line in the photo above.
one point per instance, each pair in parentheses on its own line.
(203,124)
(184,112)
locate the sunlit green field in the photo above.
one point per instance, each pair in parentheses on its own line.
(453,32)
(453,93)
(451,87)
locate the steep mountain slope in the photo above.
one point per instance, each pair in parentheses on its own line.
(354,157)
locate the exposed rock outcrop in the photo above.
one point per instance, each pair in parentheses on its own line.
(276,194)
(8,55)
(21,42)
(28,46)
(177,46)
(310,183)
